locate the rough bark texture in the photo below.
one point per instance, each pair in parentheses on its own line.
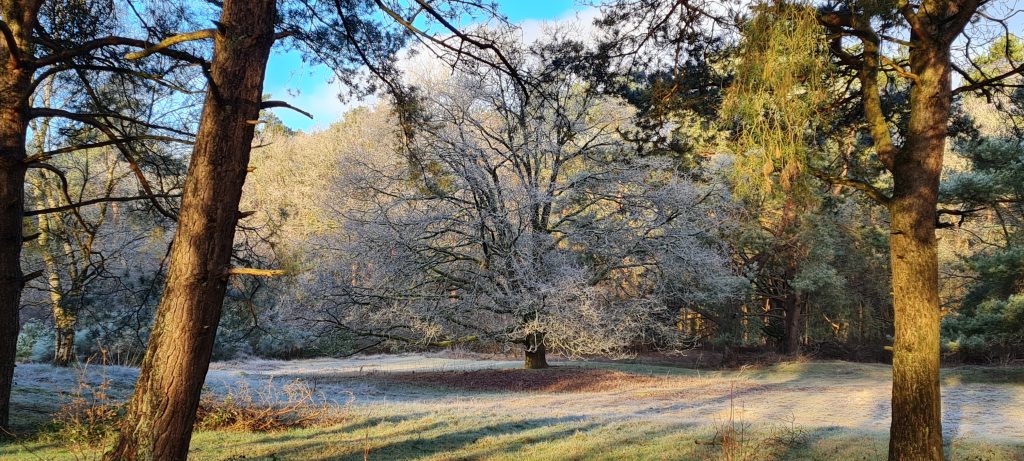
(20,17)
(536,354)
(916,432)
(162,410)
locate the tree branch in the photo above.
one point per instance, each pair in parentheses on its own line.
(32,275)
(871,191)
(65,150)
(95,201)
(93,118)
(171,41)
(273,104)
(12,44)
(992,81)
(254,272)
(87,47)
(112,135)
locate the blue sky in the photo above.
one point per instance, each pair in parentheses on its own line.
(308,87)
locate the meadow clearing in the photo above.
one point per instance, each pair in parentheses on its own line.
(461,407)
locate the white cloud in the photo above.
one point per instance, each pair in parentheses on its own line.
(579,23)
(320,97)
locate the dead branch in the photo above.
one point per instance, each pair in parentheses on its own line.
(171,41)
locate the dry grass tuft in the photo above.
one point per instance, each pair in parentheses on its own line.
(87,416)
(243,409)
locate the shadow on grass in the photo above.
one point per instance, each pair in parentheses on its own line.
(345,443)
(984,375)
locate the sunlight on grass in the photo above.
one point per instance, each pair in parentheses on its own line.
(453,436)
(636,418)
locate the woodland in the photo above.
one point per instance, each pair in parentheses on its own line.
(685,201)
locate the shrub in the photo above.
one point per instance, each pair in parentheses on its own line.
(243,409)
(89,415)
(992,331)
(32,332)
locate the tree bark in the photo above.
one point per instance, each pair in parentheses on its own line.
(791,309)
(536,354)
(162,410)
(15,79)
(64,318)
(916,432)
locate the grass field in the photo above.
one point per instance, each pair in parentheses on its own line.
(442,408)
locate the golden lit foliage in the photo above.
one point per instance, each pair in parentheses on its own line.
(776,99)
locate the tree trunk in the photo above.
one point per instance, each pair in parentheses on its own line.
(162,410)
(536,354)
(64,350)
(916,432)
(64,319)
(791,310)
(15,82)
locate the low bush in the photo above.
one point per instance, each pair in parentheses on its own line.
(243,409)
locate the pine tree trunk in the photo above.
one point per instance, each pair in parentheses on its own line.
(14,104)
(916,432)
(162,410)
(536,354)
(791,309)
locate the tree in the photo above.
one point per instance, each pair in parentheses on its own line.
(527,220)
(343,34)
(161,413)
(984,201)
(914,159)
(859,35)
(43,40)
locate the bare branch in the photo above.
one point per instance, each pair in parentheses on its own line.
(88,47)
(94,118)
(95,145)
(171,41)
(32,275)
(95,201)
(273,104)
(255,272)
(871,191)
(988,82)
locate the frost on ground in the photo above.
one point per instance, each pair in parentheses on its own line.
(811,395)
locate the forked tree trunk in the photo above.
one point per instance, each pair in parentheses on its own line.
(536,354)
(916,432)
(65,317)
(158,424)
(15,80)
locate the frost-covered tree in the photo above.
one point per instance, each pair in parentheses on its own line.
(524,218)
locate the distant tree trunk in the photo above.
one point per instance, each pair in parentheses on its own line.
(916,432)
(536,354)
(161,413)
(64,319)
(791,311)
(64,351)
(15,80)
